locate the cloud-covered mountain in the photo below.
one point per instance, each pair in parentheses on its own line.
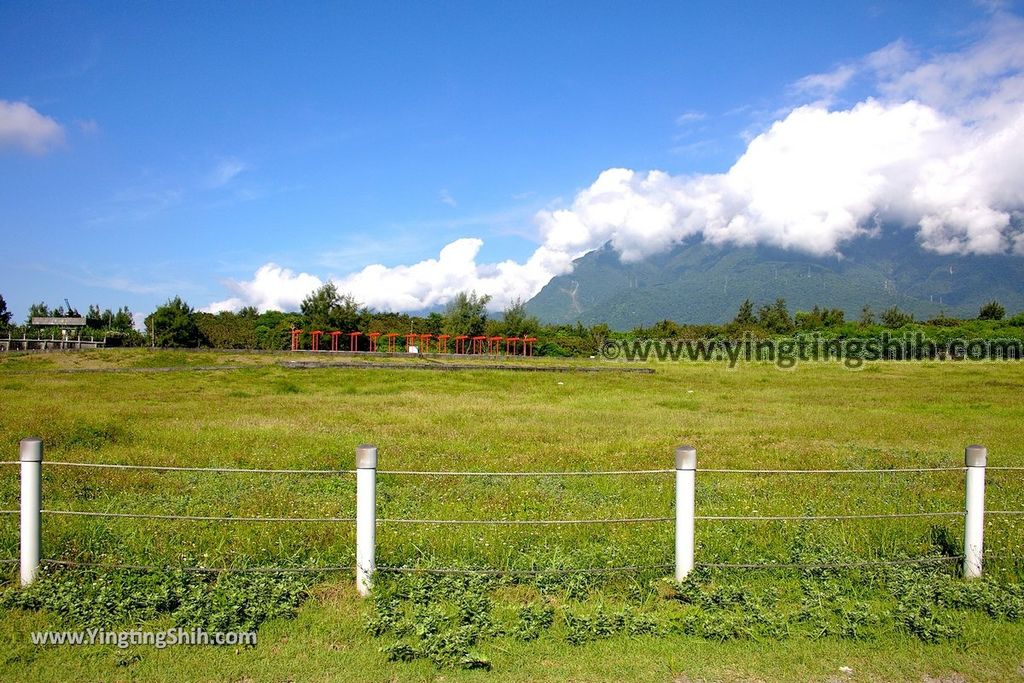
(697,282)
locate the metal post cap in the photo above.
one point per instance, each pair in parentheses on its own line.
(686,458)
(975,456)
(31,449)
(366,457)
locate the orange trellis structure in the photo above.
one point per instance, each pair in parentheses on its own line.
(464,344)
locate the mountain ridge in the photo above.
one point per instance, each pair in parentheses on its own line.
(701,283)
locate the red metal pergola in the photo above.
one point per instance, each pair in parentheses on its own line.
(528,345)
(425,342)
(392,344)
(353,341)
(334,340)
(316,339)
(514,341)
(442,343)
(460,343)
(373,340)
(296,333)
(478,344)
(410,340)
(494,345)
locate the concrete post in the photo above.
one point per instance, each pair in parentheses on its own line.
(686,487)
(974,521)
(366,517)
(31,507)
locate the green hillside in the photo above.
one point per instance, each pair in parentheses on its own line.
(701,283)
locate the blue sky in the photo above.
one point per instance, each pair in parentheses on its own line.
(156,149)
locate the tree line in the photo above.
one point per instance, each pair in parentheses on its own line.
(176,324)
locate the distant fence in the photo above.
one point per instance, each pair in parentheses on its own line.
(366,520)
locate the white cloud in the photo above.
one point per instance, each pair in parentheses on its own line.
(435,281)
(445,197)
(24,127)
(827,84)
(224,172)
(939,148)
(273,288)
(688,117)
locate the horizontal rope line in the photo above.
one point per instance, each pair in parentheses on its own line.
(599,473)
(1006,468)
(168,468)
(201,570)
(851,471)
(526,572)
(511,522)
(895,515)
(11,561)
(827,565)
(622,520)
(9,512)
(241,470)
(521,572)
(1004,512)
(194,518)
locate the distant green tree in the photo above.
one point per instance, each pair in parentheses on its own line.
(173,324)
(466,314)
(599,335)
(818,318)
(663,329)
(893,317)
(5,315)
(38,310)
(993,310)
(775,317)
(745,316)
(326,309)
(433,323)
(516,322)
(867,316)
(94,317)
(123,320)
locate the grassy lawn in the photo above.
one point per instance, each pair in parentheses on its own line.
(255,413)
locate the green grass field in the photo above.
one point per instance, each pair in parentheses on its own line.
(118,406)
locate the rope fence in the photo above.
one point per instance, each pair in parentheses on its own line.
(168,468)
(501,572)
(366,519)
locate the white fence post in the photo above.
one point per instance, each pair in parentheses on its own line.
(686,485)
(974,521)
(31,507)
(366,517)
